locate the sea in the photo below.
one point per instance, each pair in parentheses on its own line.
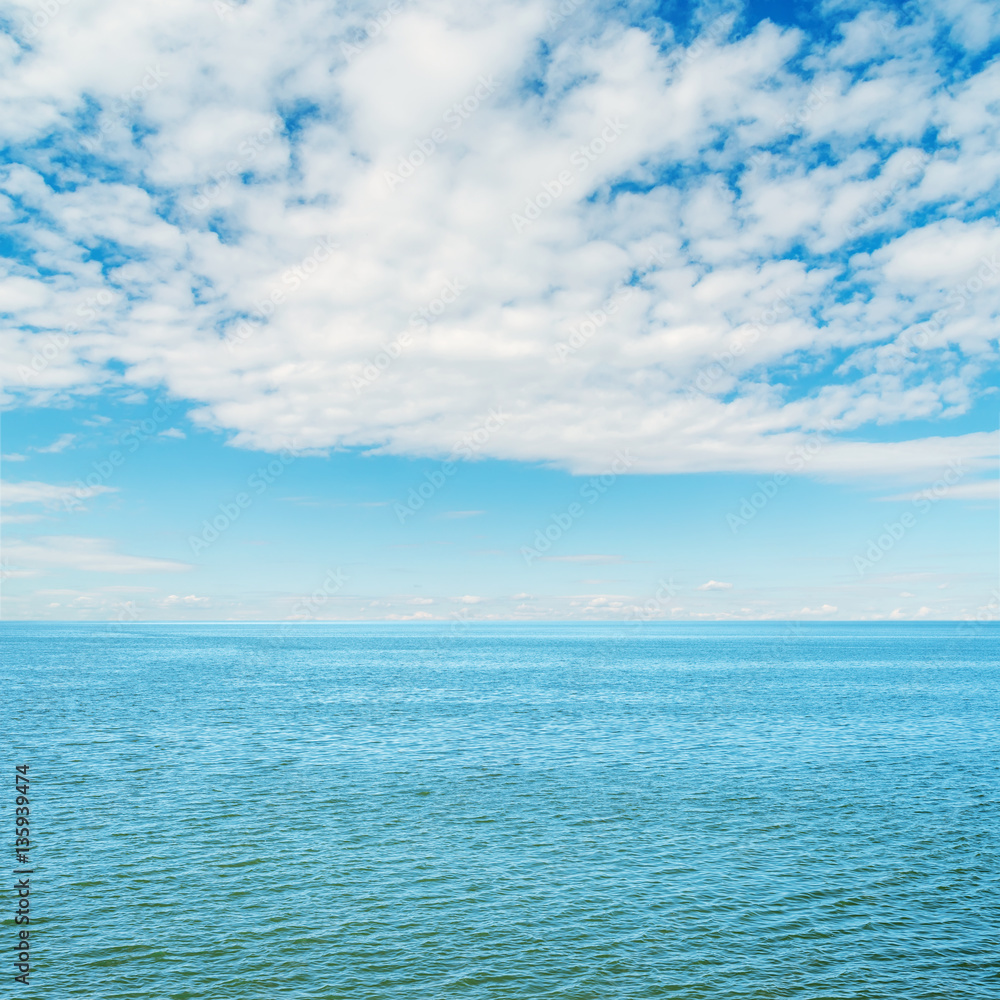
(503,810)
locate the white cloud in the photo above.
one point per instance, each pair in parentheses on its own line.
(595,558)
(127,603)
(987,489)
(61,443)
(714,585)
(734,228)
(49,494)
(173,432)
(73,552)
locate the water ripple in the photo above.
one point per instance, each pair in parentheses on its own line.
(510,812)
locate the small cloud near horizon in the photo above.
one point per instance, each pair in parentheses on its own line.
(584,559)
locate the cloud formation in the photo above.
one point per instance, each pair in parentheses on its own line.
(95,555)
(50,495)
(336,229)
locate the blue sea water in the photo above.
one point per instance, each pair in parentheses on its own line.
(508,811)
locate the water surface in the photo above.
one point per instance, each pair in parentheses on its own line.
(572,811)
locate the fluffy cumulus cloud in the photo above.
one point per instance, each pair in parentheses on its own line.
(376,224)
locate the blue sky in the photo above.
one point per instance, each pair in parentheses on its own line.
(574,311)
